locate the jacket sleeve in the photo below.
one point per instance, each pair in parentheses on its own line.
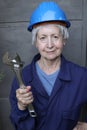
(20,119)
(84,97)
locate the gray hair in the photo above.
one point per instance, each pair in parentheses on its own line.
(63,31)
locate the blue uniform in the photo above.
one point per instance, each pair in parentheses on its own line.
(60,110)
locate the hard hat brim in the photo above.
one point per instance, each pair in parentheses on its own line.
(67,24)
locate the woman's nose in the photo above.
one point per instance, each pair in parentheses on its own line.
(50,42)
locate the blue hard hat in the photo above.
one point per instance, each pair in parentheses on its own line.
(46,12)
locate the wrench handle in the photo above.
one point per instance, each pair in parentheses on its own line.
(21,84)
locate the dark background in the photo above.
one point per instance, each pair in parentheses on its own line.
(14,37)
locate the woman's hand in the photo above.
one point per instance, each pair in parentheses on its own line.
(24,97)
(81,126)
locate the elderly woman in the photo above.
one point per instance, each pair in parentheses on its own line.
(51,82)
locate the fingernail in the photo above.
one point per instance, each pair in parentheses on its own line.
(28,88)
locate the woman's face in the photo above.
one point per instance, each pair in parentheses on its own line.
(49,42)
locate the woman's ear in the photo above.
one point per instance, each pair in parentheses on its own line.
(64,42)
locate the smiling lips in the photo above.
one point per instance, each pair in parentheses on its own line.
(50,52)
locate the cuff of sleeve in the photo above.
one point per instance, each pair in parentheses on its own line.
(19,115)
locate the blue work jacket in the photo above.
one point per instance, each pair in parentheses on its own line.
(60,110)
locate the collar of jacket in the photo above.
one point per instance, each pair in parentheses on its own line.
(65,70)
(64,73)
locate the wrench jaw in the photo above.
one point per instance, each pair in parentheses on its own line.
(16,65)
(13,63)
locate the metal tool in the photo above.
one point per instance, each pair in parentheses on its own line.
(16,65)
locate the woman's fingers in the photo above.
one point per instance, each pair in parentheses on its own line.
(24,96)
(81,126)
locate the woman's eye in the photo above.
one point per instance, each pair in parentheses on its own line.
(42,38)
(56,37)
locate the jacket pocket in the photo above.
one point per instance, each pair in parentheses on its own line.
(72,114)
(70,118)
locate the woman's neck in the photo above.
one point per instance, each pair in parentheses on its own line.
(49,66)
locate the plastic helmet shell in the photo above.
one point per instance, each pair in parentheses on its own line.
(45,12)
